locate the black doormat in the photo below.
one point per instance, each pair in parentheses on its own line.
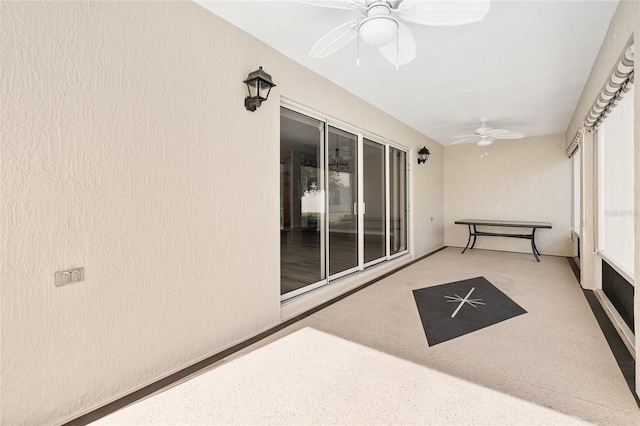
(454,309)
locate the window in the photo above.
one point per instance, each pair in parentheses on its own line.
(577,169)
(615,188)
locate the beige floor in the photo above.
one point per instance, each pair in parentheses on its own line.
(365,360)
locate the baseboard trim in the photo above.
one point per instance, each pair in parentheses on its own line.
(345,286)
(575,267)
(627,336)
(172,379)
(619,348)
(508,251)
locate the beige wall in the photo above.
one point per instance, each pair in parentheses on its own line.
(624,29)
(526,180)
(126,149)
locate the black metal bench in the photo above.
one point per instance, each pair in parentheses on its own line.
(474,233)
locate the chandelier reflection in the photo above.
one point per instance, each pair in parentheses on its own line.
(338,164)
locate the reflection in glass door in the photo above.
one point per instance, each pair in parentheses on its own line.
(373,169)
(302,203)
(343,199)
(343,202)
(397,200)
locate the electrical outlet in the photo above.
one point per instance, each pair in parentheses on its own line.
(69,276)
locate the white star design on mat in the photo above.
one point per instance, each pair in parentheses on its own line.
(471,302)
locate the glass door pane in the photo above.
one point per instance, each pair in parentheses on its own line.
(302,201)
(373,169)
(343,196)
(398,200)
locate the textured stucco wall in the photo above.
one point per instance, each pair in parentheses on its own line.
(624,28)
(126,149)
(528,180)
(427,200)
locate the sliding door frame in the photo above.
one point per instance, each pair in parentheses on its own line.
(325,240)
(357,205)
(407,202)
(384,257)
(323,236)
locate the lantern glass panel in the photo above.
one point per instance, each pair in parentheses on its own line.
(252,85)
(264,89)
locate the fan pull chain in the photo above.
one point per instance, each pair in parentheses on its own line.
(398,51)
(358,45)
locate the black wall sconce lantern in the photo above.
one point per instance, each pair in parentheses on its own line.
(423,155)
(259,84)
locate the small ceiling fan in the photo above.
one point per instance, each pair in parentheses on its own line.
(484,135)
(381,25)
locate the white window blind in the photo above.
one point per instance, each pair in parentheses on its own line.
(577,156)
(615,187)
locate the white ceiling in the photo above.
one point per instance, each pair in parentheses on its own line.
(523,66)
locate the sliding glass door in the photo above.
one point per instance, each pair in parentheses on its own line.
(374,211)
(302,202)
(343,201)
(398,200)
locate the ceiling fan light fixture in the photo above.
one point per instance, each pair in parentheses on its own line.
(485,141)
(485,135)
(379,28)
(383,26)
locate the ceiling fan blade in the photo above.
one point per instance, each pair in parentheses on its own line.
(335,40)
(498,131)
(443,13)
(508,135)
(461,140)
(402,50)
(335,4)
(466,136)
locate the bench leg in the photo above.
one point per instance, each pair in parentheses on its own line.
(468,241)
(533,244)
(475,232)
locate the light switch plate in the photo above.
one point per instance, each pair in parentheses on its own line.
(69,276)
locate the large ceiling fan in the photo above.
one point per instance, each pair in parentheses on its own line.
(484,135)
(381,25)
